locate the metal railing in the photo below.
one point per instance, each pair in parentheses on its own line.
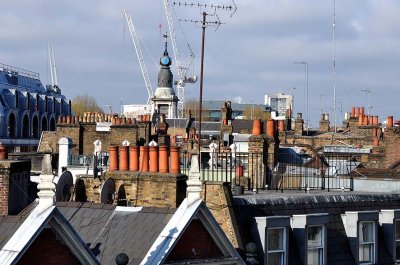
(236,168)
(18,71)
(100,161)
(282,172)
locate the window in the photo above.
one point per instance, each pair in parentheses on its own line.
(397,239)
(366,240)
(315,244)
(276,252)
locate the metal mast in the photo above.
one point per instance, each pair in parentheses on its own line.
(53,70)
(334,65)
(182,70)
(139,55)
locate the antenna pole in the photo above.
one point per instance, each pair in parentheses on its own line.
(334,66)
(205,24)
(201,73)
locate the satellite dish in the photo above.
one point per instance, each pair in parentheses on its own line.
(63,187)
(107,191)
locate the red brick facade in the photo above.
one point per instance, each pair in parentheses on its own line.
(47,249)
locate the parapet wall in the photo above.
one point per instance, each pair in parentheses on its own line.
(110,130)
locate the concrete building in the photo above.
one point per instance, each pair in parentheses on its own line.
(27,108)
(134,110)
(279,103)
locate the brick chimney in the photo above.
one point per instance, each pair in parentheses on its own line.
(14,179)
(324,123)
(298,126)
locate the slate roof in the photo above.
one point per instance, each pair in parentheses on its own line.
(338,247)
(9,224)
(109,230)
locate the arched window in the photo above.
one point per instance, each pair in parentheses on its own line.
(35,127)
(11,126)
(25,127)
(44,124)
(52,124)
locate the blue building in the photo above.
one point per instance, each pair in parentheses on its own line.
(27,108)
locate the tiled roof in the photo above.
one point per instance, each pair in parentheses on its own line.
(110,230)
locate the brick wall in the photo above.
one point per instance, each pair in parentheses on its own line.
(195,243)
(391,146)
(83,135)
(46,249)
(14,186)
(4,188)
(218,198)
(142,189)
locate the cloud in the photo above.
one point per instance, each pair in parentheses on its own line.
(251,54)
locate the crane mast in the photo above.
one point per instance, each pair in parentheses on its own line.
(139,54)
(180,69)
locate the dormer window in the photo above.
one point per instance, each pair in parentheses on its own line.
(362,235)
(274,237)
(315,244)
(276,244)
(309,230)
(366,237)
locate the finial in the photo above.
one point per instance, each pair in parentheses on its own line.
(46,186)
(166,43)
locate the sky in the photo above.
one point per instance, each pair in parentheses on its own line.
(252,53)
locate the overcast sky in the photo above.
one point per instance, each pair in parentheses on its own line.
(251,55)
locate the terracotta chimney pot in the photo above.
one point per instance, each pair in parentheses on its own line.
(175,164)
(257,127)
(123,158)
(376,120)
(270,128)
(144,158)
(113,157)
(357,113)
(390,121)
(133,158)
(153,151)
(163,159)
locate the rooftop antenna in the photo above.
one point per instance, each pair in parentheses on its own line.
(181,69)
(368,91)
(334,64)
(212,8)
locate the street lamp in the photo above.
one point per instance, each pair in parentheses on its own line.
(306,75)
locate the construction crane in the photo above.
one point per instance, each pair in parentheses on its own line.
(182,70)
(139,54)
